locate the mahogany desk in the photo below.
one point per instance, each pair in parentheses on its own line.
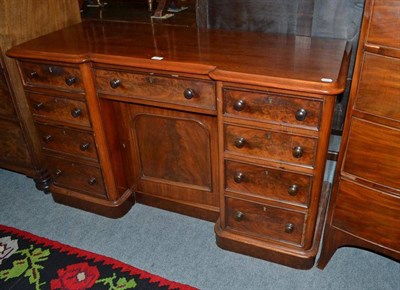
(224,126)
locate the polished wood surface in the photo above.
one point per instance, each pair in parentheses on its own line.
(272,107)
(364,208)
(166,134)
(269,183)
(272,60)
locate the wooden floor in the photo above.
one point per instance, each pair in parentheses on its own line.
(137,11)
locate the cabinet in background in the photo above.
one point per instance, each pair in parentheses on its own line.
(365,206)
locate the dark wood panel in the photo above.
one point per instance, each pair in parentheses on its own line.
(270,107)
(67,141)
(59,109)
(379,87)
(385,23)
(264,221)
(173,154)
(13,150)
(52,75)
(382,143)
(77,176)
(268,182)
(368,214)
(175,90)
(6,102)
(272,145)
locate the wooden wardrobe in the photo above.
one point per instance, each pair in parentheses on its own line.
(365,206)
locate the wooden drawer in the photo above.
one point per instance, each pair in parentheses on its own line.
(373,153)
(264,221)
(379,87)
(173,90)
(268,182)
(369,214)
(385,23)
(59,109)
(271,145)
(269,107)
(67,141)
(52,76)
(77,176)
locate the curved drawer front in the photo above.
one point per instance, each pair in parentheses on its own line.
(268,182)
(173,90)
(52,75)
(379,87)
(270,145)
(373,153)
(269,107)
(369,214)
(77,176)
(59,109)
(264,221)
(67,141)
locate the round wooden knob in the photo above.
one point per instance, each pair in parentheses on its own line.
(289,228)
(92,181)
(293,189)
(189,93)
(38,106)
(76,112)
(32,75)
(297,152)
(238,216)
(238,178)
(84,146)
(239,105)
(70,80)
(240,142)
(301,115)
(47,138)
(115,83)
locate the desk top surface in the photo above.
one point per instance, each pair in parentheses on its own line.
(317,65)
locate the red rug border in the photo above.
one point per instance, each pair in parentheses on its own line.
(97,258)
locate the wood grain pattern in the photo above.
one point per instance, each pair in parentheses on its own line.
(379,87)
(267,182)
(272,145)
(67,141)
(164,89)
(372,215)
(385,23)
(51,75)
(270,107)
(6,104)
(264,221)
(265,59)
(77,176)
(365,140)
(59,109)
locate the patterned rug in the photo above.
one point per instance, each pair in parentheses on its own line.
(31,262)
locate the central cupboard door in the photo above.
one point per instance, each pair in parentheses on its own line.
(174,154)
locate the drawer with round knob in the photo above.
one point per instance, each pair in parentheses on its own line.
(76,176)
(264,221)
(270,107)
(271,145)
(269,183)
(52,75)
(165,89)
(59,109)
(67,141)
